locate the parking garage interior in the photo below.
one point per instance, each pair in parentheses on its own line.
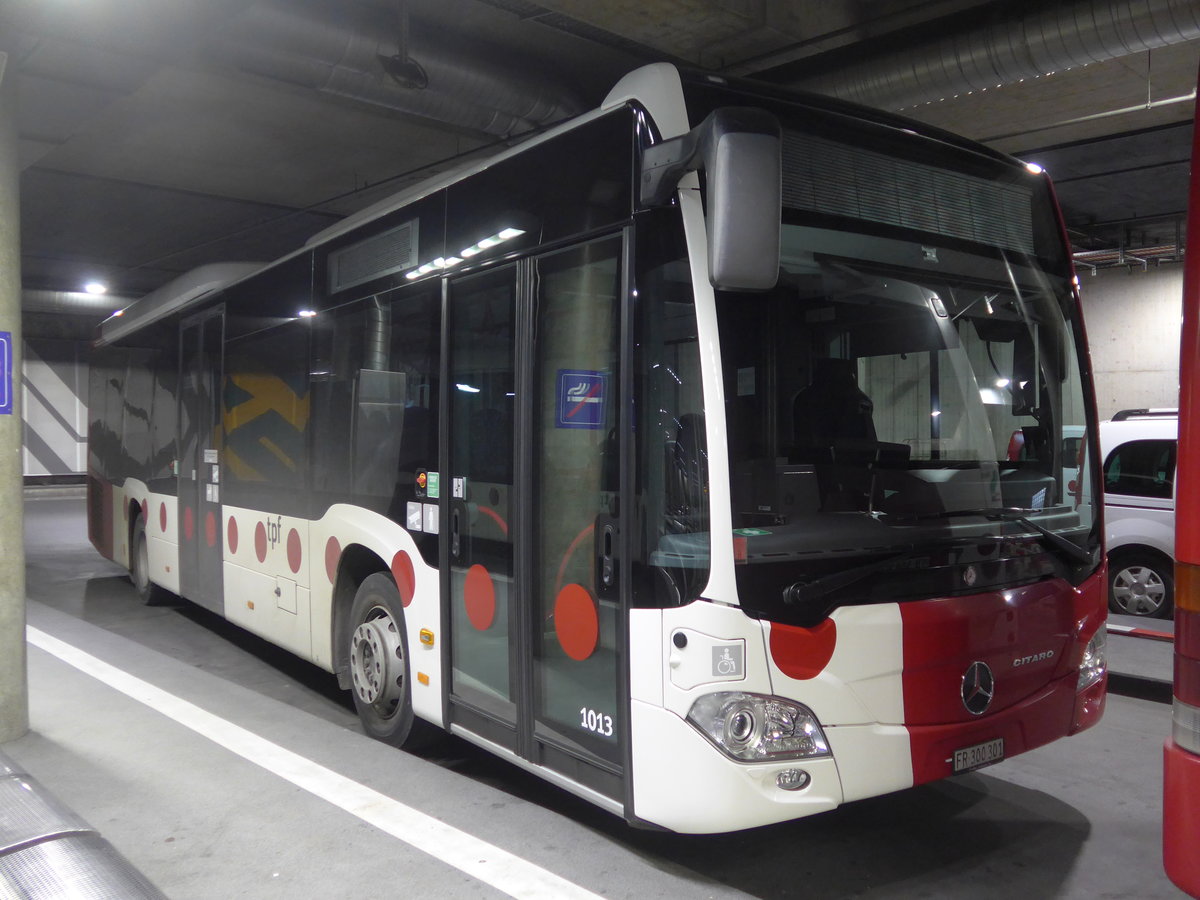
(193,759)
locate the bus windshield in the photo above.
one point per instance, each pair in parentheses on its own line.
(904,412)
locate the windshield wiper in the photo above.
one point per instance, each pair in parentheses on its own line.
(804,591)
(1067,548)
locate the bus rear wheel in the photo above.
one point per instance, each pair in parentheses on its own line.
(379,671)
(139,567)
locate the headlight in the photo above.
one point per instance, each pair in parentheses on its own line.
(1095,660)
(753,728)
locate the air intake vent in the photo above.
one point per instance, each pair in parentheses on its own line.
(837,179)
(392,251)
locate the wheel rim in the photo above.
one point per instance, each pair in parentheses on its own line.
(377,661)
(1139,590)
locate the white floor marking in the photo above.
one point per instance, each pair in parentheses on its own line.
(502,870)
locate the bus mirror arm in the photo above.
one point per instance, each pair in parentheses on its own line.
(739,150)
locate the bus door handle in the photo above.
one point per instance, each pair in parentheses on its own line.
(455,531)
(606,555)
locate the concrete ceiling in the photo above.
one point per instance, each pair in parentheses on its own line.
(158,135)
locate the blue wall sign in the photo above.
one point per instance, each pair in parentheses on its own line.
(6,373)
(582,397)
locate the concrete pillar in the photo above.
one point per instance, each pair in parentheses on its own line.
(14,692)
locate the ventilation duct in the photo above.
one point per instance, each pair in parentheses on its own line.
(1019,40)
(335,49)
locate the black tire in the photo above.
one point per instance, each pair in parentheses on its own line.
(139,567)
(379,671)
(1141,584)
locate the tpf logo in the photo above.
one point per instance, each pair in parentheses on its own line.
(274,531)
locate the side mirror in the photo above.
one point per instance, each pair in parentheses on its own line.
(739,150)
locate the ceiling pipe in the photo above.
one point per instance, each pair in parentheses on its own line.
(336,49)
(1107,114)
(1017,41)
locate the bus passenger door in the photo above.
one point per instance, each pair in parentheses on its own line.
(478,569)
(575,439)
(531,537)
(199,465)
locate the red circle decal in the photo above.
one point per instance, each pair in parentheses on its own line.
(293,550)
(231,535)
(162,516)
(333,553)
(210,529)
(479,595)
(145,511)
(260,541)
(803,653)
(576,621)
(189,524)
(405,575)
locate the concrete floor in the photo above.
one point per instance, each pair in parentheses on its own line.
(1080,818)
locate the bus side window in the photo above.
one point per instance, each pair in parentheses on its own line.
(265,404)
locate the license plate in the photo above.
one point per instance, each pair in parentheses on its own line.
(980,755)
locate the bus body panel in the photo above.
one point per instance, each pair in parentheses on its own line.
(722,586)
(1024,635)
(344,526)
(646,643)
(161,540)
(266,572)
(1181,753)
(683,783)
(281,614)
(100,520)
(847,669)
(871,759)
(711,634)
(133,497)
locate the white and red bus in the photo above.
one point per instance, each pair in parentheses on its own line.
(663,455)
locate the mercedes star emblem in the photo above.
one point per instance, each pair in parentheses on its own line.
(978,686)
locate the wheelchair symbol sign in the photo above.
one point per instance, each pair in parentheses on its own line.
(729,661)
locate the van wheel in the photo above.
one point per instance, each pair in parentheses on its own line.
(1141,584)
(379,670)
(139,568)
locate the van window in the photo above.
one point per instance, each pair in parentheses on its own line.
(1141,469)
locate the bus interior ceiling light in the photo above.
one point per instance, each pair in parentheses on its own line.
(448,262)
(95,287)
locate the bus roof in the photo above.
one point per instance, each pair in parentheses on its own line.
(172,297)
(657,87)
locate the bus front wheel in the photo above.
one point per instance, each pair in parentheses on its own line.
(379,671)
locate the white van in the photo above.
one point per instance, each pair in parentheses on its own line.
(1139,447)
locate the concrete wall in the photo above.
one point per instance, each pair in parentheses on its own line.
(54,384)
(1132,321)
